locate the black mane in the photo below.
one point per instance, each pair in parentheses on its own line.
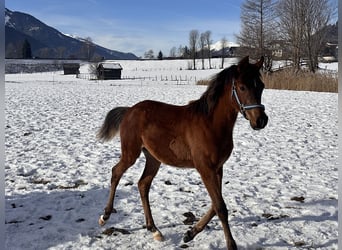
(209,99)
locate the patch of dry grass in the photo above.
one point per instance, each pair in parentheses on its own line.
(301,81)
(202,82)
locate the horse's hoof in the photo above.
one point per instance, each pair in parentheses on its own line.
(102,221)
(188,236)
(158,236)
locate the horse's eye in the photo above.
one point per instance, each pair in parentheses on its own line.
(242,88)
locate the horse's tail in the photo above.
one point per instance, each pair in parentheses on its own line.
(111,125)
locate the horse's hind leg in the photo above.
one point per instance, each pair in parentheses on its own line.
(150,171)
(126,161)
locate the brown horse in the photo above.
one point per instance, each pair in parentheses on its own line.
(197,135)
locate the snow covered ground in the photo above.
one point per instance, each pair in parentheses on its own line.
(280,184)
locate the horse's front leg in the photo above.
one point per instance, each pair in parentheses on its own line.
(200,225)
(210,180)
(203,222)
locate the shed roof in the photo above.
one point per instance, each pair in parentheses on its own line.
(109,65)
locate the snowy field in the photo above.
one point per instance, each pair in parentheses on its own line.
(280,184)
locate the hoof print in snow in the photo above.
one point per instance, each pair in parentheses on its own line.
(27,133)
(298,198)
(185,190)
(80,220)
(299,244)
(47,217)
(14,222)
(40,181)
(168,183)
(114,231)
(76,185)
(273,217)
(190,218)
(184,246)
(267,215)
(130,183)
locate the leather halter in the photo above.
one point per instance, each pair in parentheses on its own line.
(243,107)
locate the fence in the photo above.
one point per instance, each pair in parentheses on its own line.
(86,76)
(160,78)
(163,78)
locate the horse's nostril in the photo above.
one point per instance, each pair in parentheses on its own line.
(262,122)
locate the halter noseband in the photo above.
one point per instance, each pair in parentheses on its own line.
(242,106)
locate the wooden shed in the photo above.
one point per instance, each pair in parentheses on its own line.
(71,68)
(109,71)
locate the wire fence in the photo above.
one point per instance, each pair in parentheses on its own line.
(178,79)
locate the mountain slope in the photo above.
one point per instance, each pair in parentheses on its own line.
(47,42)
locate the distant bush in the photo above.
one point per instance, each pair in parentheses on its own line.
(301,81)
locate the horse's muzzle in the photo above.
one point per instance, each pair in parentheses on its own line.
(261,122)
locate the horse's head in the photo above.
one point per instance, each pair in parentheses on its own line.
(247,89)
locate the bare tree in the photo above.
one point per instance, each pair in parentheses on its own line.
(258,21)
(317,17)
(45,52)
(173,52)
(302,23)
(223,50)
(202,42)
(88,48)
(149,54)
(11,51)
(180,51)
(292,15)
(208,43)
(61,52)
(193,41)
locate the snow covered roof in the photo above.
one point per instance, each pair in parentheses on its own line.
(110,65)
(218,45)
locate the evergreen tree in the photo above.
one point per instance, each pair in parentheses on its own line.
(26,51)
(160,55)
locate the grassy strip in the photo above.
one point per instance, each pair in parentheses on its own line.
(300,81)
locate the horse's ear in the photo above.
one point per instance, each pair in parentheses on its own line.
(243,63)
(260,63)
